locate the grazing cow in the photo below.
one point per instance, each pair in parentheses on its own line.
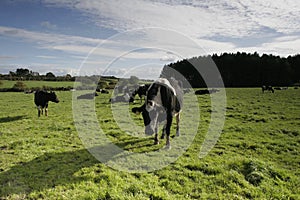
(102,91)
(163,101)
(88,96)
(206,91)
(141,91)
(122,98)
(41,99)
(267,88)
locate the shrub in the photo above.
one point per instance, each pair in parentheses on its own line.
(19,85)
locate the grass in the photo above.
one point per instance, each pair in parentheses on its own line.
(34,84)
(256,156)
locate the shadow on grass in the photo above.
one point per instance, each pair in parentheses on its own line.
(10,119)
(46,171)
(54,169)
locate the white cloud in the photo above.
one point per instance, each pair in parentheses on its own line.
(197,19)
(283,46)
(184,29)
(4,57)
(46,57)
(49,40)
(48,25)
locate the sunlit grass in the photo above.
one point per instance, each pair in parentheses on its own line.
(256,156)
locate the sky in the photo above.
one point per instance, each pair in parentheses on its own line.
(137,37)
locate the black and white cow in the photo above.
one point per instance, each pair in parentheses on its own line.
(267,88)
(141,91)
(125,98)
(41,99)
(163,102)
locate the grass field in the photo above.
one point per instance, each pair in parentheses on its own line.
(256,157)
(33,84)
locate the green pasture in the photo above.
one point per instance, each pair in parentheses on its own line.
(257,155)
(34,84)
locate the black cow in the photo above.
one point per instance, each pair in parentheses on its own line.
(41,99)
(141,91)
(267,88)
(206,91)
(163,101)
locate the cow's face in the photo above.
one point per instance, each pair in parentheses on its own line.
(152,115)
(53,97)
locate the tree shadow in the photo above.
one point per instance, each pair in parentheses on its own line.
(55,169)
(10,119)
(46,171)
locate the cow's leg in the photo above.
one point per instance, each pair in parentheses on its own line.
(156,140)
(46,110)
(177,124)
(168,129)
(163,132)
(39,111)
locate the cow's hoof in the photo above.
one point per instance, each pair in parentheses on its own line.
(156,142)
(168,147)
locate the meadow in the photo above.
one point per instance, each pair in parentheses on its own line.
(34,84)
(257,156)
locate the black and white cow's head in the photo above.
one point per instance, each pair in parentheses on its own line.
(157,102)
(52,97)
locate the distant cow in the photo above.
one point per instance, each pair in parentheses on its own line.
(163,101)
(267,88)
(88,96)
(122,98)
(41,99)
(141,91)
(102,91)
(280,88)
(206,91)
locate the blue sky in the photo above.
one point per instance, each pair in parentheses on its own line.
(135,37)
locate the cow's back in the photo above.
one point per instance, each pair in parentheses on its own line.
(40,98)
(171,94)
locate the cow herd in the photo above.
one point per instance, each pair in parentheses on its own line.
(163,100)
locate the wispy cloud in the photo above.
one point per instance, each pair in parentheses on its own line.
(47,57)
(4,57)
(198,19)
(50,40)
(48,25)
(201,18)
(183,29)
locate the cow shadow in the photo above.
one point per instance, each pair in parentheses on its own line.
(10,119)
(46,171)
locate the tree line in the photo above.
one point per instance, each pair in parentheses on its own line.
(23,74)
(241,69)
(236,70)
